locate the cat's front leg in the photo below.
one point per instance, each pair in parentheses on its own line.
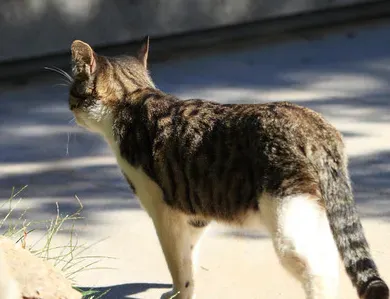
(179,236)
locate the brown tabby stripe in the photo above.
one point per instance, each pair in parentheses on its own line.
(216,160)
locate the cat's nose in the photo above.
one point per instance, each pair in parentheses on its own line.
(73,103)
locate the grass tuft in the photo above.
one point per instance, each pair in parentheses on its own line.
(70,258)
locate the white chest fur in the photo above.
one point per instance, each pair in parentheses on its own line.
(148,192)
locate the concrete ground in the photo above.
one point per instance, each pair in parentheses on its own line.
(345,76)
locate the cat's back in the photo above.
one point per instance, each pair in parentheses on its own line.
(296,122)
(275,129)
(233,153)
(285,131)
(283,119)
(267,122)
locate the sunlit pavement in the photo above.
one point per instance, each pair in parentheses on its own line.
(344,76)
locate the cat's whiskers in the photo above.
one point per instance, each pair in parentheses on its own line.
(61,84)
(69,79)
(67,144)
(71,122)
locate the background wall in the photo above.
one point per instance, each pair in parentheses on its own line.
(34,28)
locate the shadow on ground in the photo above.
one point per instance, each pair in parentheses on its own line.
(344,78)
(126,290)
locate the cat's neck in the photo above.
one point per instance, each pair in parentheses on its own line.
(123,112)
(135,126)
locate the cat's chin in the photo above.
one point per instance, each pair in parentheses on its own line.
(89,124)
(80,121)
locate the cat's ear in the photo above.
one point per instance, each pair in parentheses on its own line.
(144,51)
(83,58)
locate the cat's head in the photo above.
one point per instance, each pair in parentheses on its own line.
(100,82)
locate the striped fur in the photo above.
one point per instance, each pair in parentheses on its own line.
(348,234)
(198,152)
(215,162)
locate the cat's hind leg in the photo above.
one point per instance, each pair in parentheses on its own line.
(179,236)
(303,242)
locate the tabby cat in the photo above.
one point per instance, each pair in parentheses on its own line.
(193,161)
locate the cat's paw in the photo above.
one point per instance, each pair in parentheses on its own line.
(177,295)
(171,295)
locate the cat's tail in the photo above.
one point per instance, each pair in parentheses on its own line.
(348,234)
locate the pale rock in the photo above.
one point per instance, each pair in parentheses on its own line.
(25,276)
